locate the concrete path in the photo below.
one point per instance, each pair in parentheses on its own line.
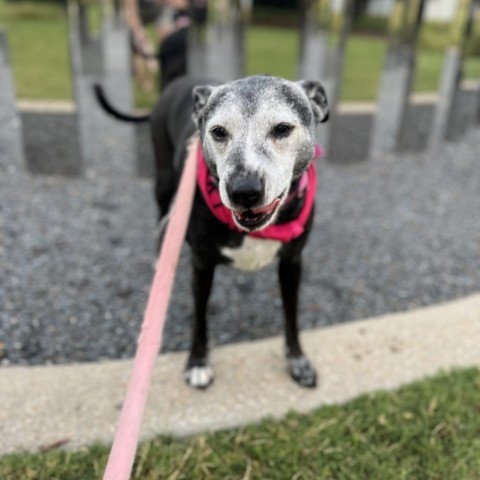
(79,404)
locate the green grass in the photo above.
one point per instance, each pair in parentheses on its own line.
(426,431)
(37,34)
(273,51)
(362,69)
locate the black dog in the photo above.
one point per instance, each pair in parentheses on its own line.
(257,136)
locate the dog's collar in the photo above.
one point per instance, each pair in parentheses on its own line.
(285,232)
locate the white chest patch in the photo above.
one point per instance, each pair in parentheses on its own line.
(253,253)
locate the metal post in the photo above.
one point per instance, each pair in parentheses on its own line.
(218,45)
(315,20)
(396,81)
(197,42)
(322,49)
(107,145)
(11,139)
(120,144)
(449,101)
(86,64)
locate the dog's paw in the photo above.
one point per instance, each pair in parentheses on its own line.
(199,376)
(302,371)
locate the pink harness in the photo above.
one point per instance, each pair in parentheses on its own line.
(284,232)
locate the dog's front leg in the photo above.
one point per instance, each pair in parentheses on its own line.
(300,368)
(198,372)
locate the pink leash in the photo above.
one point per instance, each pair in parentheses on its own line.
(122,454)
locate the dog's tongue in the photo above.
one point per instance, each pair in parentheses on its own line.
(255,215)
(268,209)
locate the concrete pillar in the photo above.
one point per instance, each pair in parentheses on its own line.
(86,63)
(120,144)
(464,110)
(107,145)
(322,49)
(217,48)
(11,139)
(449,91)
(446,96)
(314,31)
(397,76)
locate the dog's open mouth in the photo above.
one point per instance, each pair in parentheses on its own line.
(256,218)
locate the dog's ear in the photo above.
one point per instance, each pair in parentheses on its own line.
(200,94)
(318,99)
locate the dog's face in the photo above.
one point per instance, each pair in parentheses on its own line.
(258,135)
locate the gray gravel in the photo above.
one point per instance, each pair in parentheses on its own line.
(76,256)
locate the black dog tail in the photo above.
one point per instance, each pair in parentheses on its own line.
(111,110)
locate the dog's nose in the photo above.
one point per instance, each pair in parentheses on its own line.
(245,192)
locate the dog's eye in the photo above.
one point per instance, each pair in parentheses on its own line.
(219,134)
(282,130)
